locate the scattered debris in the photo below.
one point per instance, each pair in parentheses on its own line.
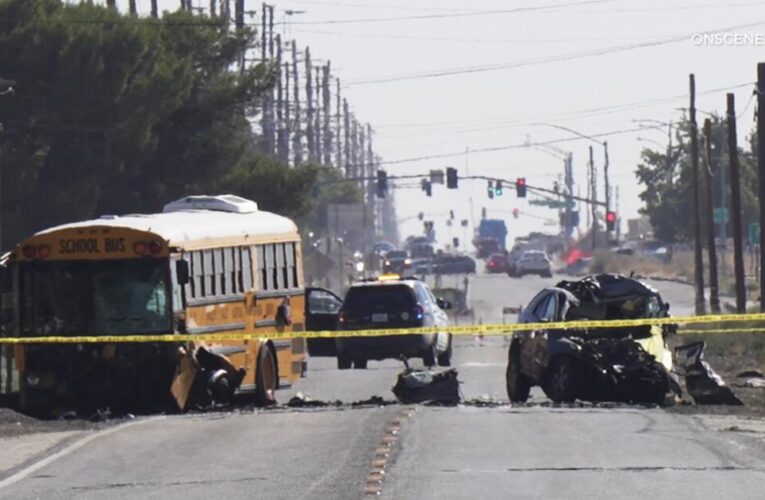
(419,386)
(301,400)
(704,385)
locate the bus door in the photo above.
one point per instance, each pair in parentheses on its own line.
(322,307)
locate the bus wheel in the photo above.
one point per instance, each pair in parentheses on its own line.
(266,377)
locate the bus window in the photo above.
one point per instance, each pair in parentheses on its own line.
(103,297)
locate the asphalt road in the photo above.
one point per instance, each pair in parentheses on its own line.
(479,450)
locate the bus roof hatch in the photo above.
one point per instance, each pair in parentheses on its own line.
(222,203)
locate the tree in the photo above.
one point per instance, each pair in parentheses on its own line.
(114,113)
(667,180)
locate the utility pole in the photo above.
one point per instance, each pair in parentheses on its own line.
(296,138)
(588,212)
(270,32)
(607,186)
(132,8)
(350,168)
(697,256)
(714,296)
(593,193)
(263,40)
(309,107)
(569,177)
(154,9)
(761,172)
(358,171)
(317,126)
(287,113)
(238,14)
(281,151)
(326,116)
(338,130)
(735,200)
(213,9)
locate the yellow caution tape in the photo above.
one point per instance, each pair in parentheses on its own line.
(721,330)
(490,329)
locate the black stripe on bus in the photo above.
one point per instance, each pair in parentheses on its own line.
(215,328)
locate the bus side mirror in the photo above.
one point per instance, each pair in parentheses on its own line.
(182,271)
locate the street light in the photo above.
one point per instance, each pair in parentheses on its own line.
(605,166)
(643,139)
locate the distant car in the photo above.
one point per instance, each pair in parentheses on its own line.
(396,261)
(392,303)
(629,364)
(454,264)
(496,263)
(531,262)
(382,247)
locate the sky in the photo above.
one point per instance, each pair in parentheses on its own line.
(442,80)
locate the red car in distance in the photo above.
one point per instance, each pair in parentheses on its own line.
(496,263)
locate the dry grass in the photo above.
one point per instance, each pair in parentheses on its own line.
(681,266)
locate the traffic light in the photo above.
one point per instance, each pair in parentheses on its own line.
(451,214)
(382,183)
(610,221)
(516,212)
(520,187)
(483,212)
(490,190)
(420,215)
(498,188)
(451,178)
(427,187)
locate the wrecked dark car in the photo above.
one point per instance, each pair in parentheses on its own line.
(629,364)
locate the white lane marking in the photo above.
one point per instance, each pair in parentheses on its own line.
(15,478)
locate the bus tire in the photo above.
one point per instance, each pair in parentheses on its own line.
(266,377)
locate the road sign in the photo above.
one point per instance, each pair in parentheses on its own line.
(721,216)
(556,204)
(754,233)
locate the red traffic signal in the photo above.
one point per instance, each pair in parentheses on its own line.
(520,187)
(610,220)
(516,212)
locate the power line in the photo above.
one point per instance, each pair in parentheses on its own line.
(517,10)
(523,145)
(511,41)
(545,60)
(582,113)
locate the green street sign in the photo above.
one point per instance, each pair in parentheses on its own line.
(754,233)
(721,216)
(553,203)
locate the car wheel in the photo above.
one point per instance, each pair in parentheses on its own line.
(564,380)
(445,358)
(360,364)
(266,377)
(518,385)
(429,356)
(343,362)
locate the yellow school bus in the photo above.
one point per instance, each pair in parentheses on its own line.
(210,265)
